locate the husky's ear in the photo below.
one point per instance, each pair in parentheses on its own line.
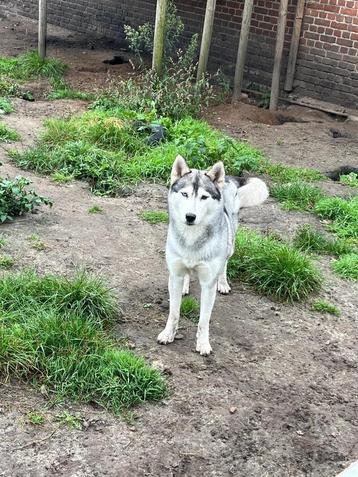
(217,174)
(179,169)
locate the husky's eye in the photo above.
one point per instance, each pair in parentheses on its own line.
(204,197)
(184,194)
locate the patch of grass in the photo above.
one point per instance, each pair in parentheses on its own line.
(52,334)
(95,209)
(35,418)
(6,106)
(16,200)
(29,65)
(63,91)
(7,134)
(190,308)
(9,87)
(36,242)
(273,267)
(62,178)
(310,240)
(347,266)
(6,261)
(343,213)
(323,306)
(349,179)
(282,173)
(2,240)
(154,216)
(69,420)
(297,195)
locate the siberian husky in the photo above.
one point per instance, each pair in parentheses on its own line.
(203,219)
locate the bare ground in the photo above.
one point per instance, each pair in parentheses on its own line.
(288,375)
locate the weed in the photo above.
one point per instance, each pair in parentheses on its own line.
(347,266)
(36,242)
(190,308)
(280,142)
(343,213)
(273,267)
(6,106)
(52,334)
(324,307)
(296,195)
(35,418)
(349,179)
(9,87)
(2,240)
(95,209)
(154,216)
(310,240)
(69,420)
(15,200)
(29,65)
(7,134)
(61,177)
(6,261)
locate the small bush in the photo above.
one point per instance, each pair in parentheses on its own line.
(190,308)
(15,200)
(347,266)
(154,216)
(52,335)
(324,307)
(7,134)
(297,195)
(309,240)
(274,268)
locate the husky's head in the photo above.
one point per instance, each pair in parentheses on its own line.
(195,196)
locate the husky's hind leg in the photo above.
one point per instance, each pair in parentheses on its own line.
(186,284)
(175,293)
(223,285)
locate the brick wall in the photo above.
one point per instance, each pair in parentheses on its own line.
(327,66)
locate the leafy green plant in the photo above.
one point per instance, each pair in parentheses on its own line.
(296,195)
(95,209)
(29,65)
(16,200)
(347,266)
(6,106)
(2,240)
(273,267)
(6,261)
(323,306)
(310,240)
(36,242)
(190,308)
(62,177)
(7,134)
(154,216)
(69,420)
(349,179)
(35,418)
(52,334)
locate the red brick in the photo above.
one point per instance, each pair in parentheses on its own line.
(349,11)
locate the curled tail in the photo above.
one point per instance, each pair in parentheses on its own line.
(254,192)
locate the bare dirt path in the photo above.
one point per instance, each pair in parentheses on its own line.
(289,375)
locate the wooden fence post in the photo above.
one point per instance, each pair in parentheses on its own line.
(241,52)
(292,58)
(206,37)
(159,34)
(42,28)
(281,25)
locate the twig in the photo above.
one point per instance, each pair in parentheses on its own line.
(29,444)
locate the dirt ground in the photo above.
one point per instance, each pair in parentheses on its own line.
(279,396)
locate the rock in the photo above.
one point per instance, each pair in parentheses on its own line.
(233,409)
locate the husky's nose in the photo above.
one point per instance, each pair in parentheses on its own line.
(190,218)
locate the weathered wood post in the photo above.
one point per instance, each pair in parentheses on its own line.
(292,58)
(42,33)
(242,50)
(206,37)
(159,35)
(281,25)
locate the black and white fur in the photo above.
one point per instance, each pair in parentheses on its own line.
(203,219)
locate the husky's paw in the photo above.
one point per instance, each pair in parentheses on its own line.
(223,287)
(166,337)
(203,347)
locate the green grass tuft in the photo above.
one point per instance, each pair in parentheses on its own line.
(61,177)
(3,240)
(6,106)
(6,261)
(282,173)
(63,91)
(69,420)
(324,307)
(29,65)
(95,209)
(349,179)
(343,213)
(7,134)
(35,418)
(52,334)
(274,268)
(297,195)
(347,266)
(190,308)
(154,216)
(310,240)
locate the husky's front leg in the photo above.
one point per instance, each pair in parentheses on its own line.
(207,299)
(175,286)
